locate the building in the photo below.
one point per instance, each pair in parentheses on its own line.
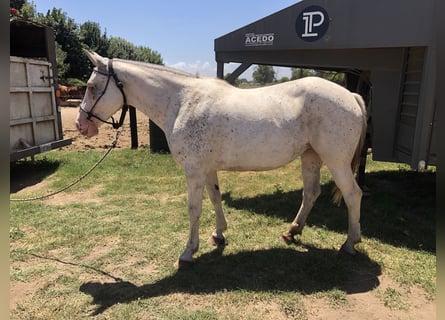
(387,49)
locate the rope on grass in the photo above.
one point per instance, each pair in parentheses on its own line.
(113,145)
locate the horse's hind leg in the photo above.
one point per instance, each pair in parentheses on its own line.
(352,194)
(212,186)
(310,167)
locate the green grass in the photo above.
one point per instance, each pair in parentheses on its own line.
(109,249)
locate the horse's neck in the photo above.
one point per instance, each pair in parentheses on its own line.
(155,92)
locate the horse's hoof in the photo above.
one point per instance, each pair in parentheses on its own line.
(183,264)
(288,238)
(348,249)
(219,242)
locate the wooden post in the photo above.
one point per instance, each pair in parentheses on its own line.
(158,141)
(133,127)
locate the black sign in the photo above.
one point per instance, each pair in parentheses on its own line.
(312,23)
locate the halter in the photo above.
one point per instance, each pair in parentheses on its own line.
(116,125)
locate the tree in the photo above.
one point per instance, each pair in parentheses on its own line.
(17,4)
(145,54)
(62,67)
(23,9)
(71,39)
(67,36)
(91,36)
(283,79)
(334,76)
(263,74)
(28,11)
(298,73)
(121,48)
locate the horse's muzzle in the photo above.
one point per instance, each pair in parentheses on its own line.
(86,126)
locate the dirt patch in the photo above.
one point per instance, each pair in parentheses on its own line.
(88,195)
(21,291)
(371,305)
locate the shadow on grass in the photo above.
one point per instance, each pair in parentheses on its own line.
(26,173)
(399,211)
(273,270)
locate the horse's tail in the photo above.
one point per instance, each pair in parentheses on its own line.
(355,164)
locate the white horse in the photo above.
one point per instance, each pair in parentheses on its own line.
(211,125)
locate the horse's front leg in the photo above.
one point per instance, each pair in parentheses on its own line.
(195,188)
(212,186)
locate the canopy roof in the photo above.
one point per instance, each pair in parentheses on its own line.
(386,47)
(339,24)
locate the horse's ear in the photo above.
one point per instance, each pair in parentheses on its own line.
(96,59)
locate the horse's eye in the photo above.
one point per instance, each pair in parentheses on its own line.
(92,90)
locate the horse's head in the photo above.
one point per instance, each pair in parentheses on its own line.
(102,97)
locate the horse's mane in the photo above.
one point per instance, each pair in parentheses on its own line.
(158,67)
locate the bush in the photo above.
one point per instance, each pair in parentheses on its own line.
(71,82)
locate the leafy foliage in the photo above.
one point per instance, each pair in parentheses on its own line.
(62,67)
(17,4)
(121,48)
(91,35)
(264,74)
(67,36)
(334,76)
(71,38)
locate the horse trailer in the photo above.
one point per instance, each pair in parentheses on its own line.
(386,49)
(35,119)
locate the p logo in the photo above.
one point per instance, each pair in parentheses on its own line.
(312,23)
